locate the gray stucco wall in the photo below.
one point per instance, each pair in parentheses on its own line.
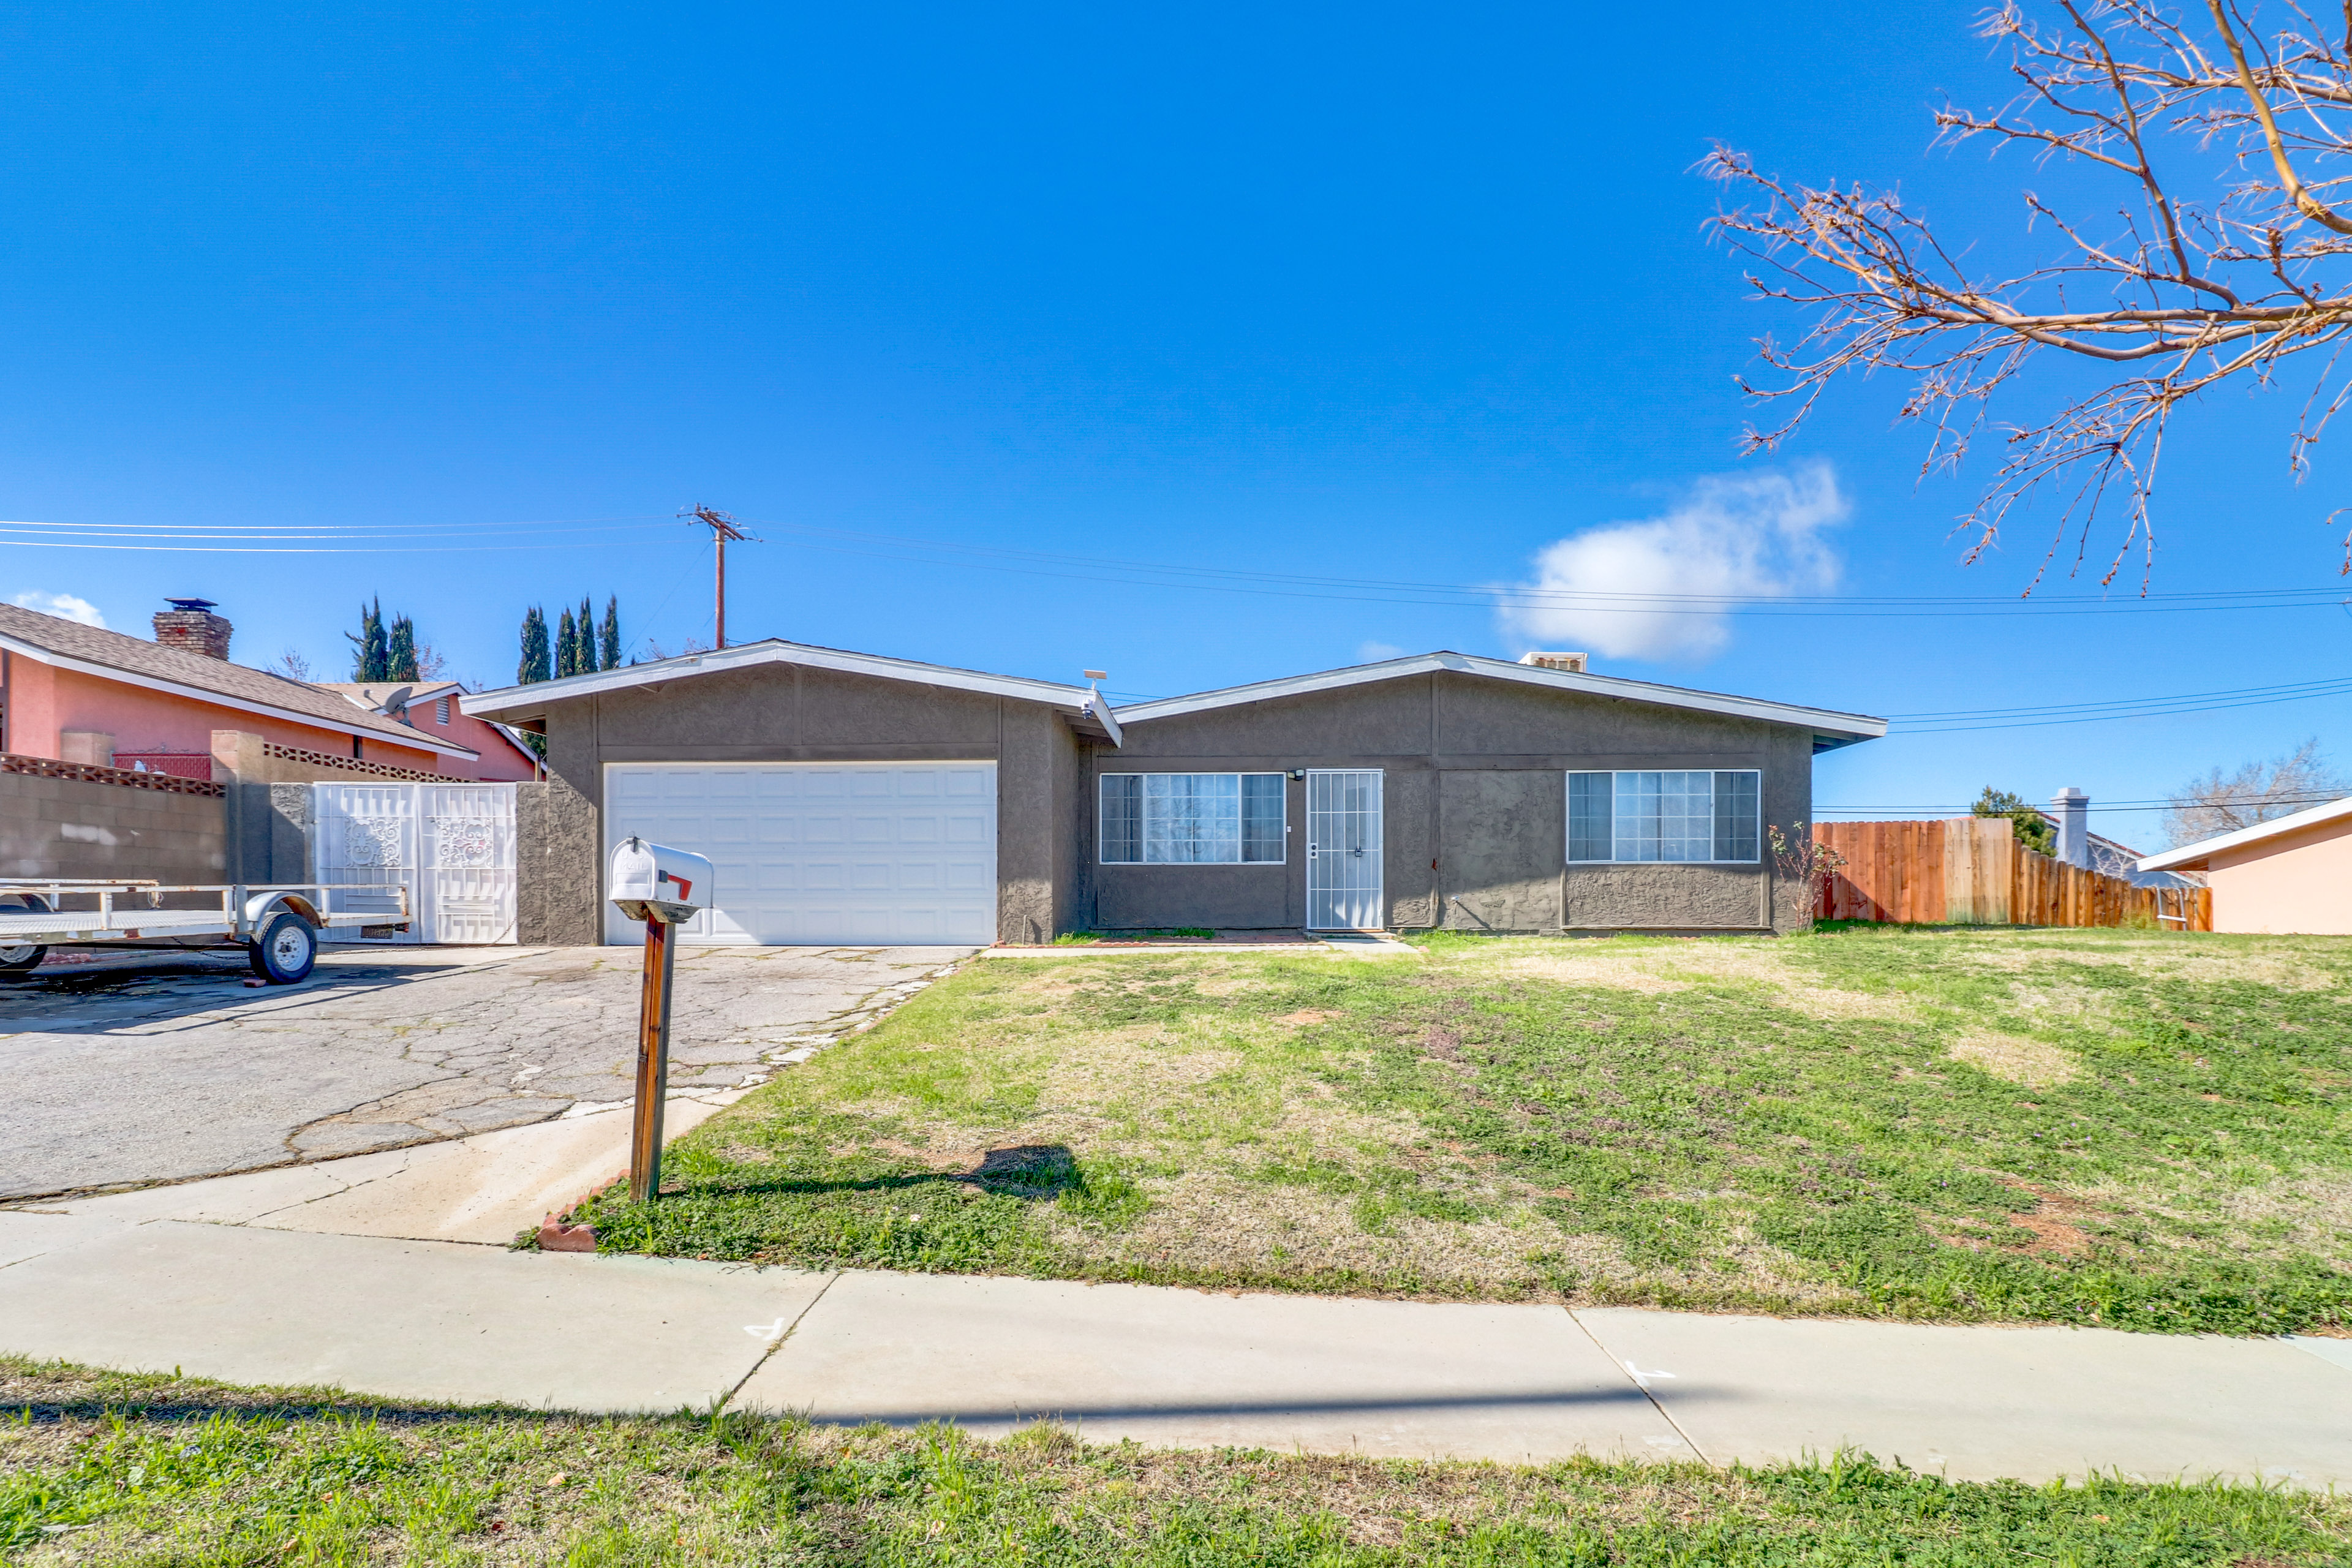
(780,713)
(91,828)
(1475,830)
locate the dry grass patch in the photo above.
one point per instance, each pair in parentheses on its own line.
(1678,967)
(2033,1063)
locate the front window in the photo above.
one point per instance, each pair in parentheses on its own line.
(1668,815)
(1192,819)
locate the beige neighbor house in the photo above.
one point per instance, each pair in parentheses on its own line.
(2292,875)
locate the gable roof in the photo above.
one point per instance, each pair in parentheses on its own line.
(1831,730)
(2188,853)
(88,651)
(528,701)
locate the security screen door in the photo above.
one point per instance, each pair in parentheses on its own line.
(1343,849)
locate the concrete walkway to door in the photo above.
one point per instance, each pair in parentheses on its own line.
(386,1274)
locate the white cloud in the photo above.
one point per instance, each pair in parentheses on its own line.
(65,604)
(1735,535)
(1375,652)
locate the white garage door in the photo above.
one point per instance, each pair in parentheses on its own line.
(820,852)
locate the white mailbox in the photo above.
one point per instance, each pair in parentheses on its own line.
(654,882)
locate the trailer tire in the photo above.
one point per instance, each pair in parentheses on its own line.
(285,951)
(28,955)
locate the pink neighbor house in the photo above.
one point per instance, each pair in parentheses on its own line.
(2290,874)
(79,694)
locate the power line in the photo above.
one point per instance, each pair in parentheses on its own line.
(1384,591)
(357,539)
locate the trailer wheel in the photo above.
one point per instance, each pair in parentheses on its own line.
(25,955)
(286,949)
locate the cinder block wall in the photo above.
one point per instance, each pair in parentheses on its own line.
(83,828)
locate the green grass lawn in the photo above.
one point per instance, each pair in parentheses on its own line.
(107,1469)
(2141,1129)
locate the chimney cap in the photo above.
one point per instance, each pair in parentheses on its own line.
(192,603)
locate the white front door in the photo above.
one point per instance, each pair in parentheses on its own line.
(820,853)
(452,846)
(1343,849)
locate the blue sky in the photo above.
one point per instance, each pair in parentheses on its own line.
(1344,292)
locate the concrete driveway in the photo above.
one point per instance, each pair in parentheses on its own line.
(163,1068)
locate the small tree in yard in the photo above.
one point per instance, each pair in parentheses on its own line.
(1804,860)
(2033,829)
(2217,254)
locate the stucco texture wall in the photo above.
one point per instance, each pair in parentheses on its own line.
(782,713)
(83,829)
(2299,883)
(1474,829)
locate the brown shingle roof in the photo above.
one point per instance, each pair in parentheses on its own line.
(231,683)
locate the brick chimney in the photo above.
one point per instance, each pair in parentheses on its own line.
(191,626)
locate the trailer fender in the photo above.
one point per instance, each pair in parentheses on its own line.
(258,908)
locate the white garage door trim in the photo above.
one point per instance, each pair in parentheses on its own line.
(819,853)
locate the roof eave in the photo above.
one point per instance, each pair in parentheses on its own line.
(1831,729)
(526,701)
(2193,857)
(57,660)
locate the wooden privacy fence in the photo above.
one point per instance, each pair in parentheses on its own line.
(1972,870)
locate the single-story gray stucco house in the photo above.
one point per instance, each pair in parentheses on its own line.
(845,797)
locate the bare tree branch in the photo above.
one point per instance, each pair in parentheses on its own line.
(2177,296)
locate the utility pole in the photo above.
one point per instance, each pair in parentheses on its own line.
(722,529)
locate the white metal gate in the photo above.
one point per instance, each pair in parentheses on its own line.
(1343,849)
(453,845)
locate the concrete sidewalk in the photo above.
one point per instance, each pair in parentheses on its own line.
(387,1274)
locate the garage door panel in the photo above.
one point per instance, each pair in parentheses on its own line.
(822,853)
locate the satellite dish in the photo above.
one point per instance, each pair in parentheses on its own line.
(398,703)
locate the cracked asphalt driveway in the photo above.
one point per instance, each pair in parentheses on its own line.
(164,1067)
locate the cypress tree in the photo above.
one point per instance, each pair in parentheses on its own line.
(611,634)
(371,658)
(400,650)
(533,667)
(587,638)
(567,646)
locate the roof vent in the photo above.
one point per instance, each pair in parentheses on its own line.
(191,626)
(1571,662)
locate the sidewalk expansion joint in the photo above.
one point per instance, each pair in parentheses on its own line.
(778,1342)
(1642,1382)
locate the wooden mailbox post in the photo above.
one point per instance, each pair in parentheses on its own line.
(664,887)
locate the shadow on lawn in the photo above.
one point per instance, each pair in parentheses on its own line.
(1034,1172)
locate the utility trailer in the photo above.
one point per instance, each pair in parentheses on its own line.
(278,924)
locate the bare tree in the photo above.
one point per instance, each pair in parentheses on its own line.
(432,664)
(2220,258)
(2216,802)
(291,665)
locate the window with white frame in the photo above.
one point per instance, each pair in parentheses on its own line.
(1669,814)
(1192,819)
